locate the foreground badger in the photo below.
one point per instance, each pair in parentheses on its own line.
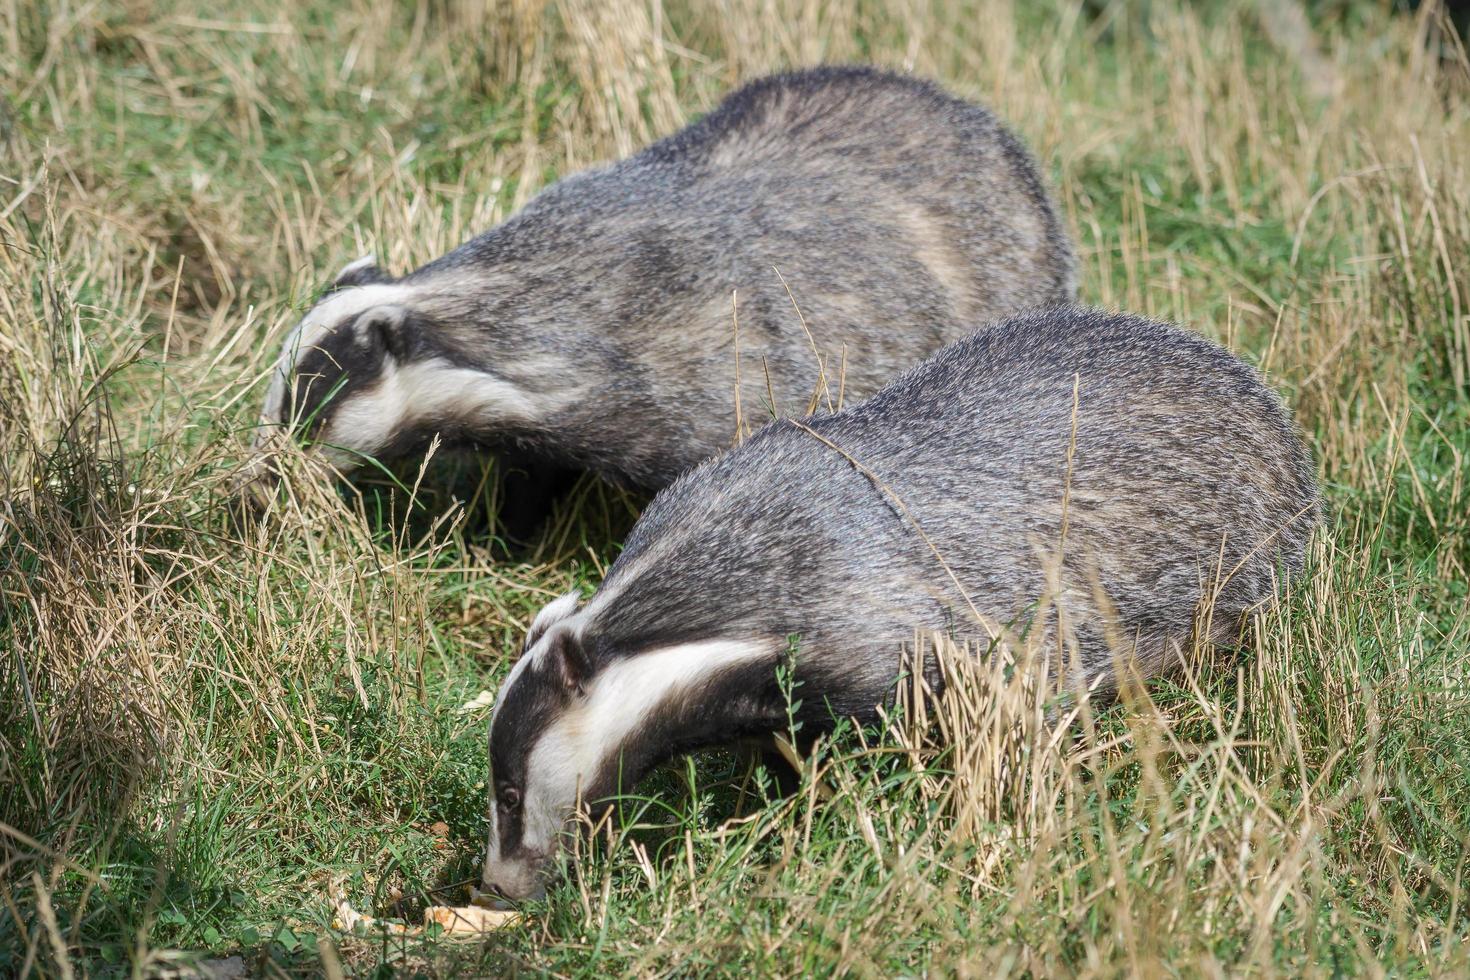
(595,328)
(1159,466)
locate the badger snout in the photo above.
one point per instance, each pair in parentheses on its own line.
(254,486)
(252,489)
(513,882)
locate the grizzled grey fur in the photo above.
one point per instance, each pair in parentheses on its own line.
(594,328)
(1178,474)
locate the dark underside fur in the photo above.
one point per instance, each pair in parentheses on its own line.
(1186,479)
(894,212)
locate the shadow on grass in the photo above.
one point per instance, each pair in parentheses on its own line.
(515,506)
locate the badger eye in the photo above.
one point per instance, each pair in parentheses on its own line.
(510,797)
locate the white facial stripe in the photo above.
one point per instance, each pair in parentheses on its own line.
(418,392)
(554,611)
(492,843)
(361,262)
(621,697)
(346,304)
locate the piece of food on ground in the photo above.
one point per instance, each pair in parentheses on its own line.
(467,920)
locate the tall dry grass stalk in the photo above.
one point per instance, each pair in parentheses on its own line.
(176,184)
(993,742)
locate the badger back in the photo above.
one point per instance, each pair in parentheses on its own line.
(813,236)
(1116,468)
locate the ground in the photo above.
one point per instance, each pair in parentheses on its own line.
(204,727)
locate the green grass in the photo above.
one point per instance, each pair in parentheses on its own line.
(201,731)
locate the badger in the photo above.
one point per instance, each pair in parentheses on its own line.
(1126,471)
(815,234)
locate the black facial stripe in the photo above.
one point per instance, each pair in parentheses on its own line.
(510,824)
(530,707)
(327,375)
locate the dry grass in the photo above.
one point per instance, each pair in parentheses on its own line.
(199,729)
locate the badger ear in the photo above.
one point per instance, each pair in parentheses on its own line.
(566,658)
(551,614)
(360,272)
(383,330)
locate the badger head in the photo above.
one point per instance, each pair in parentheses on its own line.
(527,814)
(369,372)
(581,717)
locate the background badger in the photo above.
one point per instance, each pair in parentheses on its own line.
(1158,465)
(594,328)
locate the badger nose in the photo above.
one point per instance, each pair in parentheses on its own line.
(489,896)
(251,492)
